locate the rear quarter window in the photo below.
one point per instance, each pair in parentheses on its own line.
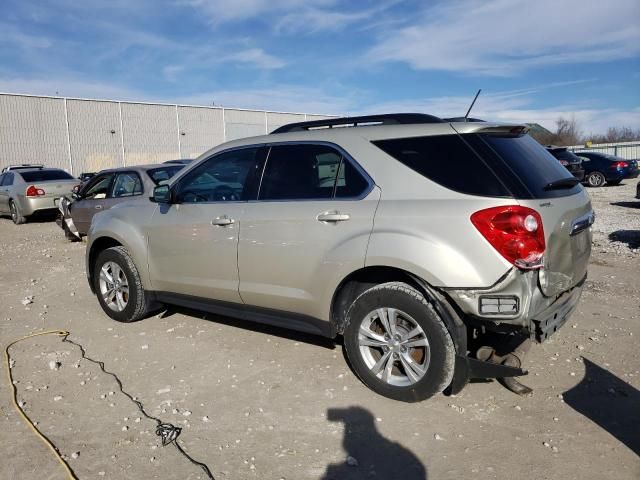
(45,175)
(448,161)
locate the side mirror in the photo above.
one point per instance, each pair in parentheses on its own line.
(162,194)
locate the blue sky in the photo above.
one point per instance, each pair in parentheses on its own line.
(535,60)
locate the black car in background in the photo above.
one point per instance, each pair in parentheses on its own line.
(601,168)
(569,160)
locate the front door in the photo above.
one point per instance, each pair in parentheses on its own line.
(93,200)
(193,242)
(310,224)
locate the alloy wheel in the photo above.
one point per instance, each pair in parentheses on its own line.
(394,347)
(114,286)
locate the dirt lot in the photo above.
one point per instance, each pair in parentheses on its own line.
(260,403)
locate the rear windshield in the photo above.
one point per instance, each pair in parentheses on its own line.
(448,161)
(487,165)
(566,155)
(45,175)
(529,167)
(164,173)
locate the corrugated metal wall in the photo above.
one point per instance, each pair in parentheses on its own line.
(626,150)
(84,135)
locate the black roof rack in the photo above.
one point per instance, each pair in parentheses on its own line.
(387,119)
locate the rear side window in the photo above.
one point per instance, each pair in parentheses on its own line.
(127,184)
(306,172)
(523,164)
(566,155)
(448,161)
(45,175)
(7,179)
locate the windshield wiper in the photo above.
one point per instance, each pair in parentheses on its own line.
(562,183)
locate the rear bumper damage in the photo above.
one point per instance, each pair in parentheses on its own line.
(497,339)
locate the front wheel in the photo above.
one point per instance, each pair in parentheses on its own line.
(595,179)
(397,344)
(117,284)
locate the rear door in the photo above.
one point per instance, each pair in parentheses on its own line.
(6,180)
(538,181)
(312,219)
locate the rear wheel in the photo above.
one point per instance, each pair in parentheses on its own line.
(595,179)
(397,344)
(16,215)
(118,286)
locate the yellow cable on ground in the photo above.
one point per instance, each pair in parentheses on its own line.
(24,416)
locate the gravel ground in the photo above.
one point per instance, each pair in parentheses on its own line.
(261,403)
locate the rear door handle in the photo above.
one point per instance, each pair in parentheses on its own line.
(98,207)
(222,221)
(333,217)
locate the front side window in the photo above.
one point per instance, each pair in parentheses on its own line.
(305,171)
(223,178)
(98,188)
(127,185)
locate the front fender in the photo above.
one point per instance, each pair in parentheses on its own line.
(123,226)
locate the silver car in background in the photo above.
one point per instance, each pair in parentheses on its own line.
(108,188)
(27,190)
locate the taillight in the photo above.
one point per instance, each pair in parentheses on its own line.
(33,191)
(515,232)
(564,162)
(619,165)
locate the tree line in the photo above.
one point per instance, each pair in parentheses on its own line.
(568,132)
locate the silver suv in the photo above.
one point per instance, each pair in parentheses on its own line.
(438,250)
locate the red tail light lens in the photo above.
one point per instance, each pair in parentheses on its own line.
(33,191)
(620,165)
(515,232)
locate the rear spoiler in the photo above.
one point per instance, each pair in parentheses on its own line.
(491,129)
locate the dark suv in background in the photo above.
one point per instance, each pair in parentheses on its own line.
(569,160)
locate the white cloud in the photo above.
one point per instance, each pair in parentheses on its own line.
(504,37)
(255,57)
(221,11)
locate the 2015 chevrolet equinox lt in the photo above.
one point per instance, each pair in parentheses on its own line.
(436,249)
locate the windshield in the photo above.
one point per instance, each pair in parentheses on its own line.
(45,175)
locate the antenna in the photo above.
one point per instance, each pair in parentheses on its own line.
(472,104)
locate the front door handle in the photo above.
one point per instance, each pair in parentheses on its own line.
(333,217)
(98,207)
(222,221)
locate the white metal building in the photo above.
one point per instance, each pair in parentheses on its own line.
(87,135)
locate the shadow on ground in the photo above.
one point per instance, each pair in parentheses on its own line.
(635,204)
(255,327)
(630,237)
(609,402)
(368,453)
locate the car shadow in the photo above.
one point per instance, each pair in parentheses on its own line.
(635,204)
(630,237)
(286,333)
(368,453)
(609,402)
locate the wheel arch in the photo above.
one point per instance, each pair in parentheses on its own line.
(364,278)
(98,245)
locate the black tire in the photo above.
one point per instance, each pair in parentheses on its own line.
(614,182)
(595,179)
(16,215)
(400,296)
(138,304)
